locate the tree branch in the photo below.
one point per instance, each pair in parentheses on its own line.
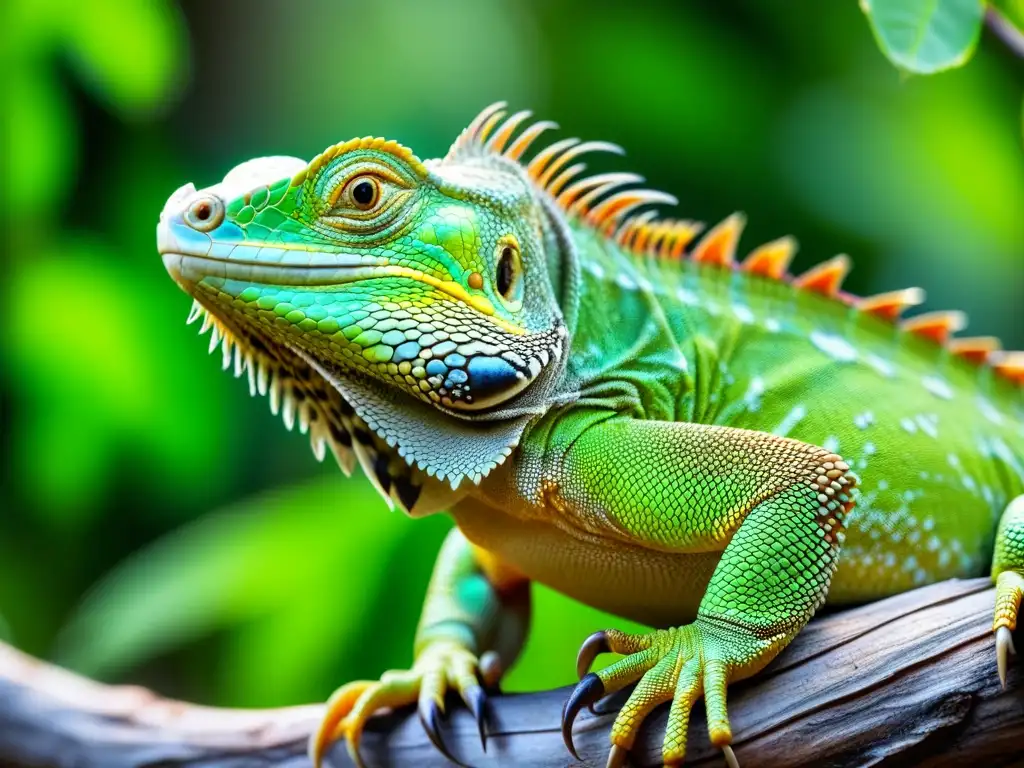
(906,681)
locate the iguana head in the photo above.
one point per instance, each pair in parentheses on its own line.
(426,295)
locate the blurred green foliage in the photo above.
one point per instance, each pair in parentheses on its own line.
(158,524)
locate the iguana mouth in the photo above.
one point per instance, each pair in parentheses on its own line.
(189,269)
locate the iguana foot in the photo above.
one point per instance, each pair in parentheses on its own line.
(439,666)
(678,665)
(1008,573)
(1009,592)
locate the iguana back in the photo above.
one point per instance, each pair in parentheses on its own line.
(936,434)
(606,406)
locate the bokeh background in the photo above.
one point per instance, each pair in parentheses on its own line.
(160,526)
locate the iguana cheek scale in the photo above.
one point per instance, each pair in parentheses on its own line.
(607,403)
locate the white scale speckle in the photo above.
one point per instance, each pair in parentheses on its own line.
(882,366)
(752,397)
(743,313)
(831,444)
(929,424)
(864,420)
(834,346)
(870,449)
(938,387)
(794,417)
(625,281)
(772,325)
(990,412)
(1000,449)
(909,425)
(687,296)
(645,285)
(595,269)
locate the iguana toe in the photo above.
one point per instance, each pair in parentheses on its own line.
(1009,594)
(676,665)
(439,666)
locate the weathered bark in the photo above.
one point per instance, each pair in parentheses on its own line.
(906,681)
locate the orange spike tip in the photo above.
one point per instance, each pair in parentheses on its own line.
(825,278)
(937,326)
(771,259)
(679,236)
(1009,365)
(500,138)
(892,304)
(976,349)
(527,137)
(718,246)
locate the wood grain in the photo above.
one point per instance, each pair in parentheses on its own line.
(906,681)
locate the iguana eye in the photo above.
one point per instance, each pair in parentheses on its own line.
(364,192)
(509,270)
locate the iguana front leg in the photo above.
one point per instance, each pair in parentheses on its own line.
(776,507)
(474,604)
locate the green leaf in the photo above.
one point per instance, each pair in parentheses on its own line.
(926,36)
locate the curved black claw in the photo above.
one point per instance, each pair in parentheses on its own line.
(586,692)
(430,714)
(476,700)
(592,647)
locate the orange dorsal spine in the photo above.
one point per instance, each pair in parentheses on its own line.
(892,304)
(937,326)
(718,246)
(1009,365)
(608,203)
(825,278)
(771,259)
(977,349)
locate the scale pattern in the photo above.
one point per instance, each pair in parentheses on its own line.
(607,401)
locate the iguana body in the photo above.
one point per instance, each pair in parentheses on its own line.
(672,439)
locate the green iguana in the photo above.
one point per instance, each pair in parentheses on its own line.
(604,404)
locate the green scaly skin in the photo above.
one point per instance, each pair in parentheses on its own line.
(679,441)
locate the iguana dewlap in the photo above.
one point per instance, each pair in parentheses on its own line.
(605,404)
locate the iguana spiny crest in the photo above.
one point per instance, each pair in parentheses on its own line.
(416,315)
